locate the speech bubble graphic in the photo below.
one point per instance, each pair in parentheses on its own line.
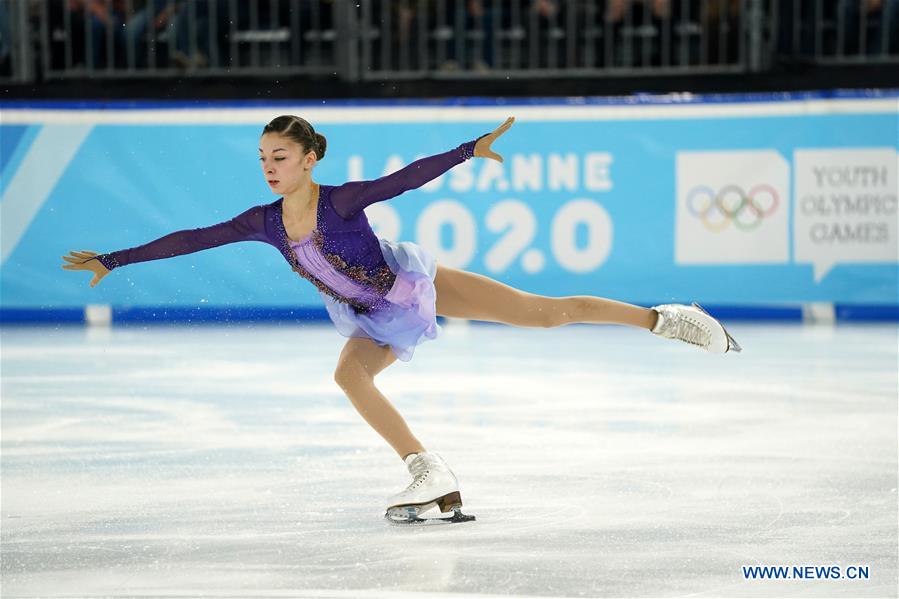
(845,209)
(732,207)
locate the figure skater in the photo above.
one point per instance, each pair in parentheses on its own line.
(385,296)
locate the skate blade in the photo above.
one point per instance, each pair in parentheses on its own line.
(732,344)
(410,517)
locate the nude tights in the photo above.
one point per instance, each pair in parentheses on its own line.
(462,294)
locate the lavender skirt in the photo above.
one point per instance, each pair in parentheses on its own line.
(411,316)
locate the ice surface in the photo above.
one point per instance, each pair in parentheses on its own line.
(599,461)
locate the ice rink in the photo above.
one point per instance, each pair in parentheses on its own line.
(600,461)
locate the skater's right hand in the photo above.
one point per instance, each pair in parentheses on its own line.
(85,260)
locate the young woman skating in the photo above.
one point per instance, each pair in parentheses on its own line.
(385,296)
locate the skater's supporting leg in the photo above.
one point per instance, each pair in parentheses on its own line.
(360,360)
(462,294)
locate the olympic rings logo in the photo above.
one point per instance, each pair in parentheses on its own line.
(732,205)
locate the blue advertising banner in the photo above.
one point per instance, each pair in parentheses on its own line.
(776,200)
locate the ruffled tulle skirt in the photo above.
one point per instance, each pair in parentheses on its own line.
(410,316)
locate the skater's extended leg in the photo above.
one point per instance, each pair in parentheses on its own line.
(463,294)
(360,360)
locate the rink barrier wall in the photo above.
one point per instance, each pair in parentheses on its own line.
(101,314)
(575,214)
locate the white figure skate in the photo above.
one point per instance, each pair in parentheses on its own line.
(433,484)
(693,325)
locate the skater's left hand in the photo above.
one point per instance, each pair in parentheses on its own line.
(482,147)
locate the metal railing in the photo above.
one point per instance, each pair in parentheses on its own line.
(408,39)
(838,31)
(147,38)
(453,38)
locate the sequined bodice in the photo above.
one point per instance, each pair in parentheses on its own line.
(315,263)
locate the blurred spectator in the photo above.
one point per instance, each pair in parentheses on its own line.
(799,23)
(477,23)
(616,9)
(481,18)
(105,20)
(551,17)
(878,19)
(80,30)
(5,60)
(481,35)
(471,25)
(145,29)
(638,29)
(412,26)
(193,18)
(722,27)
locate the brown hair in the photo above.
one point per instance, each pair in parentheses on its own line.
(300,131)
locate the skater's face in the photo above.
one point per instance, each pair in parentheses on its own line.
(285,163)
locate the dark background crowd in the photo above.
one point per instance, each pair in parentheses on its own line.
(484,38)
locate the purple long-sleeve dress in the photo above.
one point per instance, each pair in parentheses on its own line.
(371,287)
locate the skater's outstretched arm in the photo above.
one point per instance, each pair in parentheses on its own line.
(351,197)
(247,226)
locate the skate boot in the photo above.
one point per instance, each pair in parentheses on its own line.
(433,484)
(693,325)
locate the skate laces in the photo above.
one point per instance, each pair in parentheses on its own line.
(420,468)
(680,325)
